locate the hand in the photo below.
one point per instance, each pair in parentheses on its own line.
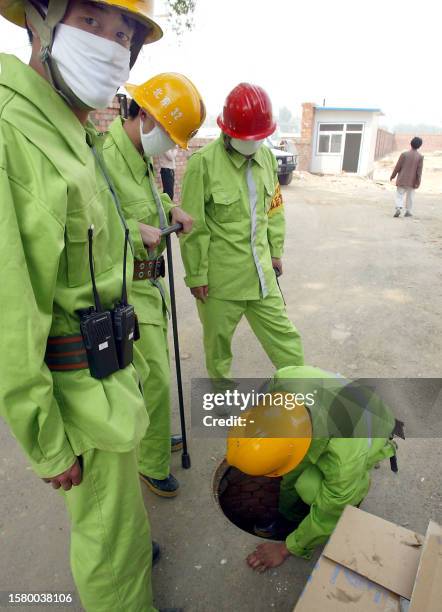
(277,263)
(70,478)
(151,236)
(200,293)
(268,555)
(179,216)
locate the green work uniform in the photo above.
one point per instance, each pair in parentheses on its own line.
(52,190)
(238,227)
(336,470)
(133,178)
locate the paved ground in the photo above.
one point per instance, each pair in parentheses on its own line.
(365,291)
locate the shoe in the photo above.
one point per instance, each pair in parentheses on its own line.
(168,487)
(278,529)
(176,443)
(397,213)
(268,530)
(156,552)
(408,214)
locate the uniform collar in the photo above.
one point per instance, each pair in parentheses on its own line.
(239,160)
(136,163)
(26,82)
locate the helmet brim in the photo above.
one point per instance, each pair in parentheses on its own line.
(233,134)
(14,11)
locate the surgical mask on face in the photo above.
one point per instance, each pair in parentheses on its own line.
(246,147)
(156,141)
(92,67)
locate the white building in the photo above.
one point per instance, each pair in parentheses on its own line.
(344,140)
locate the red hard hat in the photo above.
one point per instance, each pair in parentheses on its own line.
(247,113)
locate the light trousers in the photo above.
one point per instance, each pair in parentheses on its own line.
(405,195)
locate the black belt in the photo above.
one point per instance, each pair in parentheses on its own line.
(149,269)
(65,353)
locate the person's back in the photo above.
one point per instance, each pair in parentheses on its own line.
(409,172)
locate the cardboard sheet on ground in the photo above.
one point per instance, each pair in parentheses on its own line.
(427,592)
(367,565)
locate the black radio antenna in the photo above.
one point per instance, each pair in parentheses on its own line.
(124,290)
(90,234)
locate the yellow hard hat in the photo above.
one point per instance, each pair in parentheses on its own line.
(140,10)
(273,441)
(174,102)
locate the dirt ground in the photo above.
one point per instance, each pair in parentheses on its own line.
(365,291)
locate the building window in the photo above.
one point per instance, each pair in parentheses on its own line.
(331,127)
(330,138)
(354,127)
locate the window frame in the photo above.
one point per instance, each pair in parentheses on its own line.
(330,133)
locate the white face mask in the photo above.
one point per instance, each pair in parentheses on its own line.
(93,67)
(156,141)
(246,147)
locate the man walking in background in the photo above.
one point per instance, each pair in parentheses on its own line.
(409,172)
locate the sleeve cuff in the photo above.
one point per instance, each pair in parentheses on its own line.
(295,549)
(134,229)
(57,465)
(277,253)
(196,281)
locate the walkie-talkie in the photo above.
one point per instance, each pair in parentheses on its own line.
(97,330)
(124,320)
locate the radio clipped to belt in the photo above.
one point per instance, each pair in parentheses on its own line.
(108,335)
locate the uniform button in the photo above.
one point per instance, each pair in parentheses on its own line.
(142,266)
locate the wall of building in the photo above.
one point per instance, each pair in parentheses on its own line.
(332,163)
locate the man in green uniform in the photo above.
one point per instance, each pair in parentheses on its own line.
(231,190)
(165,111)
(79,433)
(339,430)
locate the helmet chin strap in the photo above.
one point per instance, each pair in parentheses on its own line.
(45,28)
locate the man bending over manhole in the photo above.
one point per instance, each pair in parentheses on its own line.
(335,441)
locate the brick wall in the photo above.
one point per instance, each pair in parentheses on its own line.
(103,118)
(305,142)
(432,142)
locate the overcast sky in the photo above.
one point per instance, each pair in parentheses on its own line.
(382,53)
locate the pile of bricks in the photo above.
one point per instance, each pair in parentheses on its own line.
(247,499)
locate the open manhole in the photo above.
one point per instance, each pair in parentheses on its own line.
(246,500)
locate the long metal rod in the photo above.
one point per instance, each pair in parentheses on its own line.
(185,457)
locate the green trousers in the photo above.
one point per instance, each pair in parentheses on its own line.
(269,321)
(111,548)
(154,451)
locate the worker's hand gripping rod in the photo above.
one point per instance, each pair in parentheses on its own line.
(171,229)
(166,232)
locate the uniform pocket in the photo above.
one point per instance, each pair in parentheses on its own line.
(227,206)
(77,246)
(144,211)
